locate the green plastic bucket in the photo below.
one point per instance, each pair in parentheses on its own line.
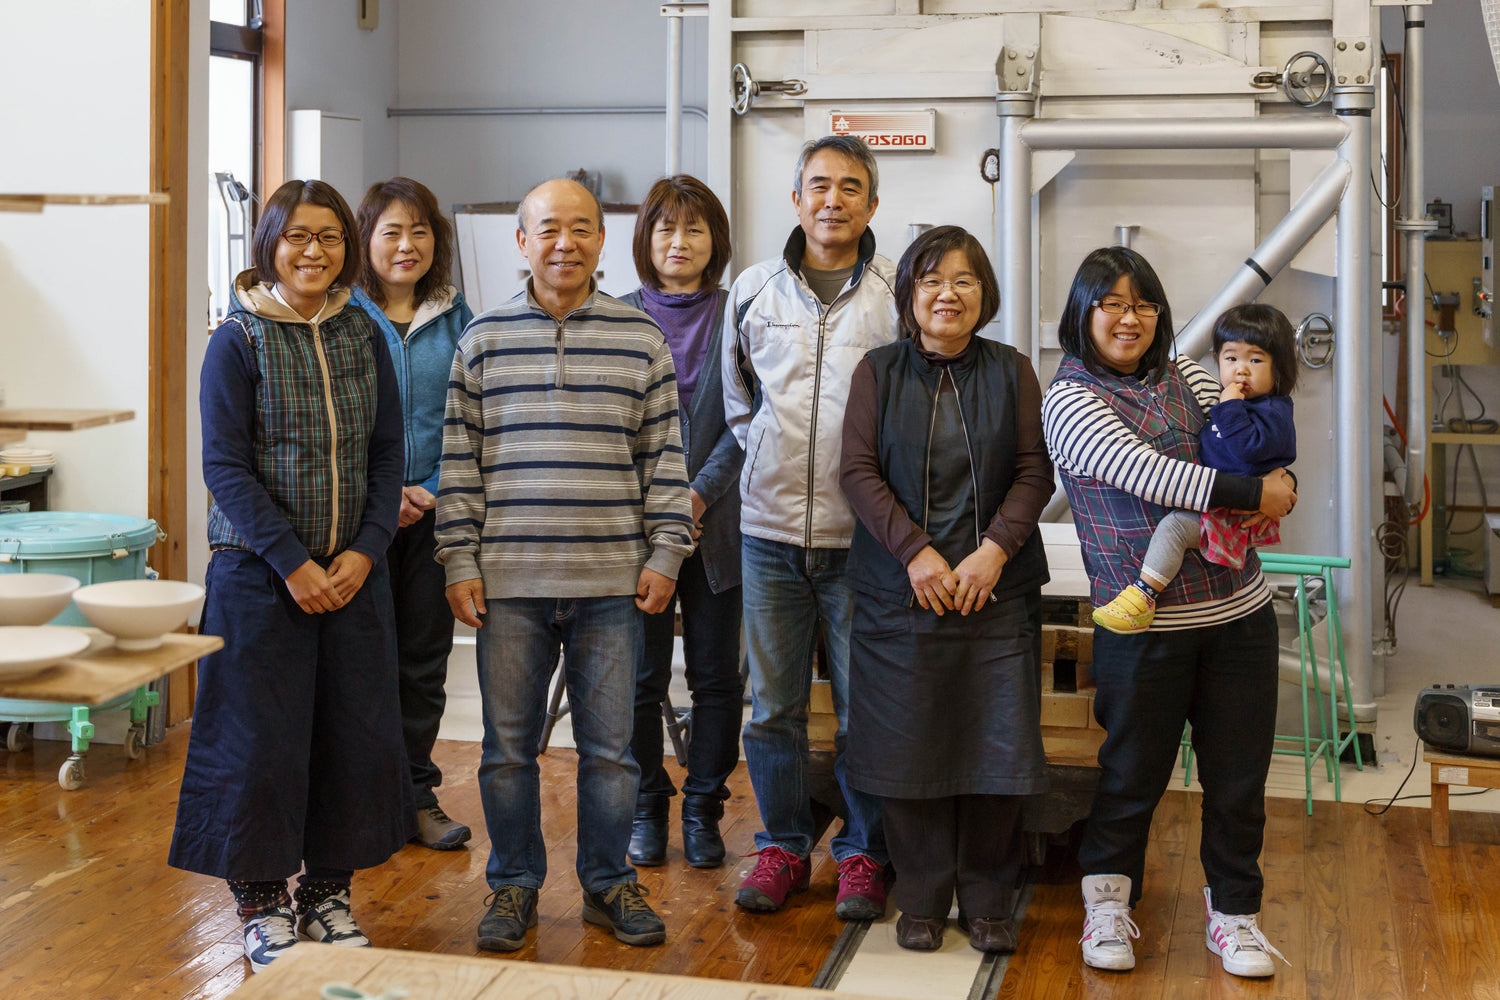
(91,548)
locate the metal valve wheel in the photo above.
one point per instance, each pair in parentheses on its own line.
(1313,333)
(746,88)
(1306,79)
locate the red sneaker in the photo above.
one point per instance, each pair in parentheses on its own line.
(862,885)
(777,874)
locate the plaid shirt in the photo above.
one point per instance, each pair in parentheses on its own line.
(301,433)
(1126,449)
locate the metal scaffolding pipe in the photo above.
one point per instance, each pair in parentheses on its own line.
(1357,487)
(674,96)
(1184,133)
(1317,204)
(1415,226)
(528,112)
(1014,257)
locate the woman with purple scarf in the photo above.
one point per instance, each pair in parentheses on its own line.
(681,249)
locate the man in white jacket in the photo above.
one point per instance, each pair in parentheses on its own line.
(795,328)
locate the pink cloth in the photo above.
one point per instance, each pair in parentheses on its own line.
(1226,538)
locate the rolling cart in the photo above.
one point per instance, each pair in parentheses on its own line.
(91,548)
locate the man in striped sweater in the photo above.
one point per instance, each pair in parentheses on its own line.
(563,514)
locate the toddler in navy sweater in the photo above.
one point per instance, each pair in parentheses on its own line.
(1249,432)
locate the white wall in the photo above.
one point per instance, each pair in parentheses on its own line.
(75,280)
(1463,104)
(510,53)
(332,64)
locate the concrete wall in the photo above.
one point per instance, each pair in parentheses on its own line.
(74,280)
(1463,104)
(509,53)
(332,64)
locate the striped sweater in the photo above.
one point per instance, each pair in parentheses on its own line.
(1099,453)
(562,469)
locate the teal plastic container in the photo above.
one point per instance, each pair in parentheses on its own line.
(91,548)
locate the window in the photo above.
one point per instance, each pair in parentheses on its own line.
(236,40)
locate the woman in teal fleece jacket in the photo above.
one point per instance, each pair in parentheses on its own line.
(404,287)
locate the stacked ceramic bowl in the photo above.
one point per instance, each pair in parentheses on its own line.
(40,459)
(27,600)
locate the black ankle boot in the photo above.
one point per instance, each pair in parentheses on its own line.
(701,844)
(648,830)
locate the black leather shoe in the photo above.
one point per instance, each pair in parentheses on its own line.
(648,831)
(992,935)
(920,933)
(701,844)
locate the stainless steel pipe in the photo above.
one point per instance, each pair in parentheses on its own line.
(1414,224)
(1301,223)
(1358,492)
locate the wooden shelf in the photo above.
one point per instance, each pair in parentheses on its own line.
(103,671)
(36,202)
(43,419)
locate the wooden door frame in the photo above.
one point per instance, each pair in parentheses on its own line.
(167,435)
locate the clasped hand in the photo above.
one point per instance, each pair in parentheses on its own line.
(939,588)
(317,590)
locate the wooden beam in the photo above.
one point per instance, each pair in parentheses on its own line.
(167,485)
(272,97)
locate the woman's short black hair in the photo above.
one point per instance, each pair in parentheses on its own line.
(1266,327)
(924,255)
(278,212)
(1096,276)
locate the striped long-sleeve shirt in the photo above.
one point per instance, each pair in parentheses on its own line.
(1091,445)
(562,470)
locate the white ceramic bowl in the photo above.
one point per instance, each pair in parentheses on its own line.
(33,598)
(26,649)
(138,612)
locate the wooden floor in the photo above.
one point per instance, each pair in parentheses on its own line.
(1364,907)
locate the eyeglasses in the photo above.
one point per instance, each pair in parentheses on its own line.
(301,237)
(1118,307)
(963,286)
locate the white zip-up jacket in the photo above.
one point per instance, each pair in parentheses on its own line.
(788,363)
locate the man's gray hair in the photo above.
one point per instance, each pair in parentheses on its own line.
(851,146)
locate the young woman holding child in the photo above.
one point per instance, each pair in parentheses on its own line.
(1122,420)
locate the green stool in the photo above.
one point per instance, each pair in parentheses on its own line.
(1328,743)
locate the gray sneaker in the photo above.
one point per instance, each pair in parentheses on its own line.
(437,830)
(512,912)
(623,909)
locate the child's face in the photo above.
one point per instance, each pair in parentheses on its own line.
(303,273)
(1248,365)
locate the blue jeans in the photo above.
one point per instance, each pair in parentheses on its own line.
(788,590)
(600,639)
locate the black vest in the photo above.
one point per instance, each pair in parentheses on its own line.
(906,387)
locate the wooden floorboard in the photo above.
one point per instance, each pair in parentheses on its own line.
(1363,906)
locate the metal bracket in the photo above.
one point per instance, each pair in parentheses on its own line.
(685,8)
(1316,331)
(747,89)
(1016,68)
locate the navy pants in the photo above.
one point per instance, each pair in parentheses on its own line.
(965,844)
(295,755)
(1222,679)
(711,653)
(424,638)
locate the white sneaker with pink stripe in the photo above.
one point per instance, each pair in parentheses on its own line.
(1239,942)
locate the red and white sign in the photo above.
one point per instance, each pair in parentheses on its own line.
(888,130)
